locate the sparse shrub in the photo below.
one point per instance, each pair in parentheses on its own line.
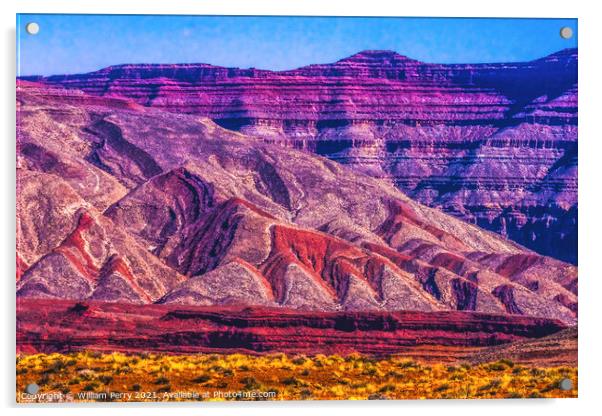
(161,380)
(164,389)
(551,387)
(55,367)
(377,396)
(105,379)
(299,360)
(517,370)
(201,379)
(90,386)
(537,372)
(305,394)
(408,364)
(387,388)
(42,381)
(75,380)
(250,383)
(499,366)
(442,387)
(457,376)
(86,374)
(493,384)
(508,363)
(369,372)
(291,381)
(123,370)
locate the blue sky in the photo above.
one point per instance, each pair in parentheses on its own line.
(83,43)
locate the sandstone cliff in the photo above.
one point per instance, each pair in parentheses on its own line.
(493,144)
(134,205)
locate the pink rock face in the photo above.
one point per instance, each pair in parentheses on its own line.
(119,203)
(493,144)
(437,336)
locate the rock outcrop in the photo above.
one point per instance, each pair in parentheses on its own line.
(133,205)
(493,144)
(444,337)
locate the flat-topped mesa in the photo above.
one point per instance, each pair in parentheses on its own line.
(492,143)
(564,60)
(189,329)
(377,57)
(145,74)
(371,86)
(368,64)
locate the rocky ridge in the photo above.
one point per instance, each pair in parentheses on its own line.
(434,336)
(493,144)
(122,203)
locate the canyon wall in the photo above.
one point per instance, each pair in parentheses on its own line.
(121,203)
(493,144)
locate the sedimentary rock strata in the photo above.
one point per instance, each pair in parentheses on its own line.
(446,337)
(132,205)
(493,144)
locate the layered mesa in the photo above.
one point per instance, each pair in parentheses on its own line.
(133,205)
(437,337)
(492,144)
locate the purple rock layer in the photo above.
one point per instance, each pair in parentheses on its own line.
(493,144)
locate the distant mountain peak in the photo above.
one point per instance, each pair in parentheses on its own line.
(563,54)
(375,56)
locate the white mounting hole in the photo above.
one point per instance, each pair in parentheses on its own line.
(566,32)
(32,28)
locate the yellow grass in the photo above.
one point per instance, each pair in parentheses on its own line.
(90,376)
